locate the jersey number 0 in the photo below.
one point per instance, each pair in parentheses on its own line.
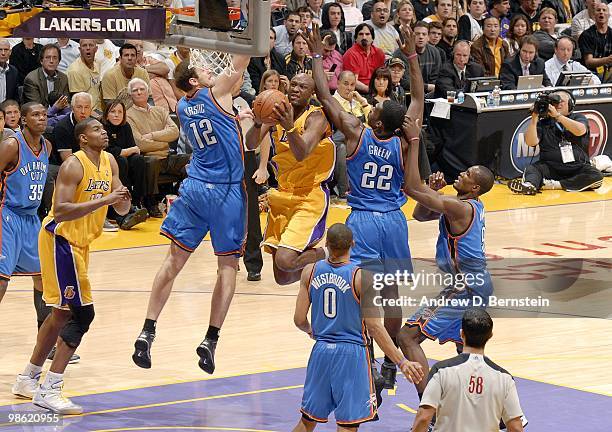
(203,130)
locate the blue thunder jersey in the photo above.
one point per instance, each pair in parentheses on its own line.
(376,174)
(463,253)
(22,187)
(215,136)
(336,315)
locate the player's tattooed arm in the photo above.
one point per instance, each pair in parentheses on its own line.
(347,123)
(9,154)
(302,304)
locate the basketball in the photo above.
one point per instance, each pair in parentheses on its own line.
(263,106)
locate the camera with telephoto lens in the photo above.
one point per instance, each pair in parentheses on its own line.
(543,101)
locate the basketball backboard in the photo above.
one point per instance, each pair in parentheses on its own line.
(235,26)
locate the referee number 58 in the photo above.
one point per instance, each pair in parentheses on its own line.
(476,383)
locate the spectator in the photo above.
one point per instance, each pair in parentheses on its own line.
(333,19)
(454,75)
(84,75)
(386,35)
(352,15)
(531,10)
(404,16)
(63,139)
(423,9)
(448,396)
(315,8)
(500,10)
(490,50)
(435,33)
(444,10)
(25,57)
(42,81)
(258,65)
(58,109)
(546,36)
(397,69)
(430,58)
(271,80)
(561,61)
(4,132)
(153,131)
(106,55)
(181,53)
(368,7)
(9,75)
(305,17)
(519,28)
(449,34)
(566,168)
(596,45)
(470,24)
(586,18)
(115,81)
(565,9)
(285,33)
(299,61)
(70,52)
(380,86)
(12,114)
(525,63)
(332,59)
(363,58)
(131,163)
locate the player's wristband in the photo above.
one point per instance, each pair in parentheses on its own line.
(414,139)
(400,364)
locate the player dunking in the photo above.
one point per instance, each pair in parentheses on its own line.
(375,166)
(212,198)
(88,182)
(339,377)
(304,160)
(23,163)
(459,250)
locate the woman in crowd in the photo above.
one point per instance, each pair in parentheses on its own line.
(333,19)
(519,28)
(272,80)
(546,36)
(298,60)
(405,15)
(380,86)
(470,24)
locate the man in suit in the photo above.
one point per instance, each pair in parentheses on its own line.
(454,75)
(42,81)
(8,73)
(525,63)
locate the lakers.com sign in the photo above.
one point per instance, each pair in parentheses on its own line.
(521,155)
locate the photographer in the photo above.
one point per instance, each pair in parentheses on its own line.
(563,137)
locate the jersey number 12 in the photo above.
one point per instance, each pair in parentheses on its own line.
(203,130)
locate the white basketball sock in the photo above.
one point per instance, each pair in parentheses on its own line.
(51,379)
(32,370)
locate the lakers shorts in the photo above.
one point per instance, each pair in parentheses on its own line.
(296,219)
(339,380)
(19,250)
(202,207)
(64,271)
(381,241)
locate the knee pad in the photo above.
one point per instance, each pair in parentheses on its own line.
(82,317)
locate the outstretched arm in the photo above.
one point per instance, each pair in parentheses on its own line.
(417,92)
(222,90)
(347,123)
(422,213)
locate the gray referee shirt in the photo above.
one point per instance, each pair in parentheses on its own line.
(471,393)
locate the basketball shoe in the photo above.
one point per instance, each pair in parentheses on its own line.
(25,386)
(518,186)
(206,351)
(142,349)
(388,371)
(52,399)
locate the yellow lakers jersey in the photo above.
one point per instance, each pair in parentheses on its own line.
(96,184)
(315,169)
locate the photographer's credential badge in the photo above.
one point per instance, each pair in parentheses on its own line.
(567,155)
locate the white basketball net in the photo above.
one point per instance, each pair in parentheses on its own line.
(217,62)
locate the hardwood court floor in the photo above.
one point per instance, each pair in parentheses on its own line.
(259,334)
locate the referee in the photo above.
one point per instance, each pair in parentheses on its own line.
(470,392)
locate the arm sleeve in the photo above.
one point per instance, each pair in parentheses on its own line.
(433,392)
(464,29)
(62,140)
(507,78)
(585,44)
(109,88)
(168,133)
(512,407)
(31,92)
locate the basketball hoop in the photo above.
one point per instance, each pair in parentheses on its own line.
(217,62)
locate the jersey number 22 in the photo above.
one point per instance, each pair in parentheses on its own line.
(375,177)
(203,130)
